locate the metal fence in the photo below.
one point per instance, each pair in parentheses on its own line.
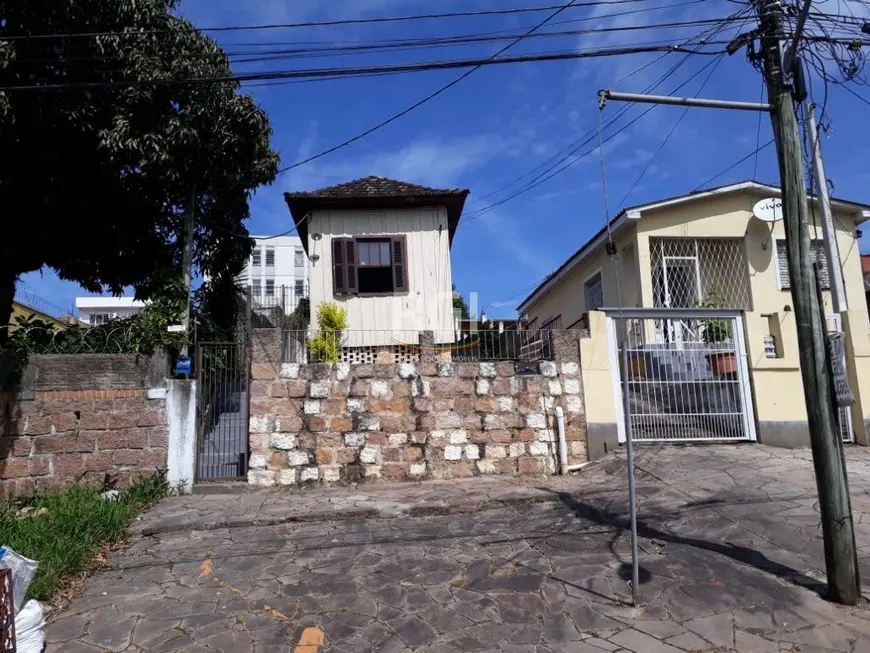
(687,375)
(33,301)
(408,346)
(105,339)
(272,306)
(222,411)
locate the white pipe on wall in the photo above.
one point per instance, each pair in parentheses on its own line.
(564,467)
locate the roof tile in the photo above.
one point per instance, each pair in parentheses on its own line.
(373,187)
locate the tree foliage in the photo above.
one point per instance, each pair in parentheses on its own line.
(460,306)
(95,180)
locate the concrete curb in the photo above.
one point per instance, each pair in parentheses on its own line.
(535,496)
(377,505)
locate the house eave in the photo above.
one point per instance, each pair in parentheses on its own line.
(860,211)
(617,226)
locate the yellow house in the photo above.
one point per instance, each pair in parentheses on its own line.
(22,311)
(706,319)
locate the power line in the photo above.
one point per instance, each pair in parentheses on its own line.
(732,166)
(669,134)
(551,165)
(327,23)
(853,92)
(566,162)
(410,44)
(674,129)
(638,48)
(329,49)
(428,98)
(317,73)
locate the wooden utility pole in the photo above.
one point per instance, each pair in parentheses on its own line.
(827,446)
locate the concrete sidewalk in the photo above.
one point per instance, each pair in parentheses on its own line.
(237,506)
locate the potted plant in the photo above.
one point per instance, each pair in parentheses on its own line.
(717,331)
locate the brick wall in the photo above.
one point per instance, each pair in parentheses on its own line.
(410,421)
(76,417)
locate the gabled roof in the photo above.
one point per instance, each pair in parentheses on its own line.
(374,192)
(632,213)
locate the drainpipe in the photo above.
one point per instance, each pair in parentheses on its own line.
(564,467)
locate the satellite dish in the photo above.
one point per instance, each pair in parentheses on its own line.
(768,210)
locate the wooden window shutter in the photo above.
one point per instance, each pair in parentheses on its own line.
(350,264)
(339,269)
(400,264)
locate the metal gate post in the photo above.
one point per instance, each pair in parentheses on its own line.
(615,375)
(745,386)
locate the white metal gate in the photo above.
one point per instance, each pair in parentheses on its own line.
(691,388)
(844,413)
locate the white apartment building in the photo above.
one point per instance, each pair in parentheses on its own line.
(277,272)
(100,310)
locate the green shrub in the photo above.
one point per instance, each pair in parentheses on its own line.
(325,346)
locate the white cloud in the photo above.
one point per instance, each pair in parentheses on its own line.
(508,233)
(429,161)
(288,11)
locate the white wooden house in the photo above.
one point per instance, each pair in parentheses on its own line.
(381,249)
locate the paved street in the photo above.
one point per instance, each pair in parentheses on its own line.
(730,551)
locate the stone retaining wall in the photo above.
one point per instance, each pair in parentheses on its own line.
(347,422)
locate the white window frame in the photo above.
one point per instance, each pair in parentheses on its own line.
(599,273)
(256,288)
(257,254)
(269,251)
(298,258)
(269,288)
(781,239)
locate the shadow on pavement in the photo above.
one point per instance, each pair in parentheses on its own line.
(741,554)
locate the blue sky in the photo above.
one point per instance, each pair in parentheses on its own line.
(504,121)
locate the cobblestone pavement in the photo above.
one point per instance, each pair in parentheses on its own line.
(730,551)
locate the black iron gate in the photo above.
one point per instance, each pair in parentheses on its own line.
(223,374)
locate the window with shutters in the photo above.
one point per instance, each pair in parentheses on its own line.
(817,253)
(369,266)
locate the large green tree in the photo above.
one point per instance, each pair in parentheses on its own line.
(102,149)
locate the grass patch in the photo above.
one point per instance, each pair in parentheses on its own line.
(76,522)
